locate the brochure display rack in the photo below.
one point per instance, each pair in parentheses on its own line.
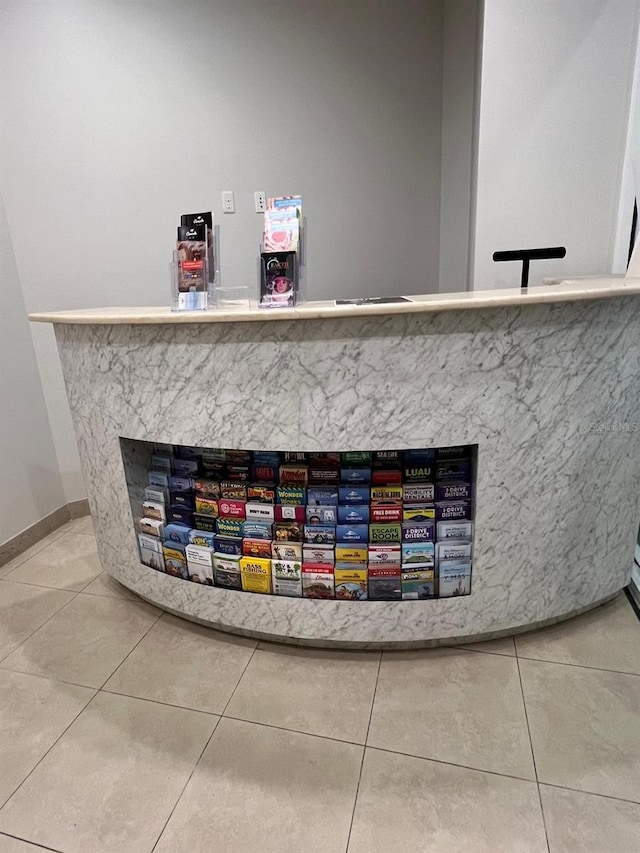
(280,256)
(193,267)
(383,525)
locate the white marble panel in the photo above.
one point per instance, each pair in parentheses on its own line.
(549,392)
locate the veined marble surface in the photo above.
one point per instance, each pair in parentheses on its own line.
(549,391)
(570,290)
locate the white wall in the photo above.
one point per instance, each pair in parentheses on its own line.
(461,25)
(119,116)
(630,183)
(30,484)
(556,82)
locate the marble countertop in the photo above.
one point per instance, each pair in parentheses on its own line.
(568,290)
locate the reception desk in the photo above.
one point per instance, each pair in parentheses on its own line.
(546,385)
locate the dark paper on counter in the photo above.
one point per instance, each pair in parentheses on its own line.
(372,300)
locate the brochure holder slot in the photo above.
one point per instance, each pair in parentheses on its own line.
(279,274)
(234,298)
(194,275)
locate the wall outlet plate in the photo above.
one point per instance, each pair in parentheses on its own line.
(260,202)
(228,202)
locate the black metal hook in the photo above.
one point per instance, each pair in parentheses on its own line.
(526,255)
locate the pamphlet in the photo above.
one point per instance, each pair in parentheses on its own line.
(282,224)
(192,270)
(349,525)
(279,280)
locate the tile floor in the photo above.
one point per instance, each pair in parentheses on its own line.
(126,730)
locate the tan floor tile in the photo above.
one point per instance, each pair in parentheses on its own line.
(110,782)
(605,638)
(13,845)
(317,691)
(104,584)
(26,555)
(585,823)
(34,713)
(585,727)
(455,706)
(263,789)
(82,525)
(503,646)
(23,609)
(184,664)
(69,562)
(411,804)
(86,642)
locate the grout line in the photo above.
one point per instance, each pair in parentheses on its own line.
(195,766)
(580,666)
(159,702)
(292,731)
(479,651)
(35,630)
(41,759)
(364,752)
(533,755)
(453,764)
(590,793)
(28,841)
(233,692)
(184,788)
(53,588)
(132,650)
(131,596)
(6,668)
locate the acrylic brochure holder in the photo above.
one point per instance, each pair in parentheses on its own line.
(234,298)
(194,276)
(281,275)
(196,283)
(190,288)
(278,279)
(280,253)
(230,297)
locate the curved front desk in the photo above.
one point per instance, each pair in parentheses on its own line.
(546,384)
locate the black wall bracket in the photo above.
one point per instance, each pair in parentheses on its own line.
(527,255)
